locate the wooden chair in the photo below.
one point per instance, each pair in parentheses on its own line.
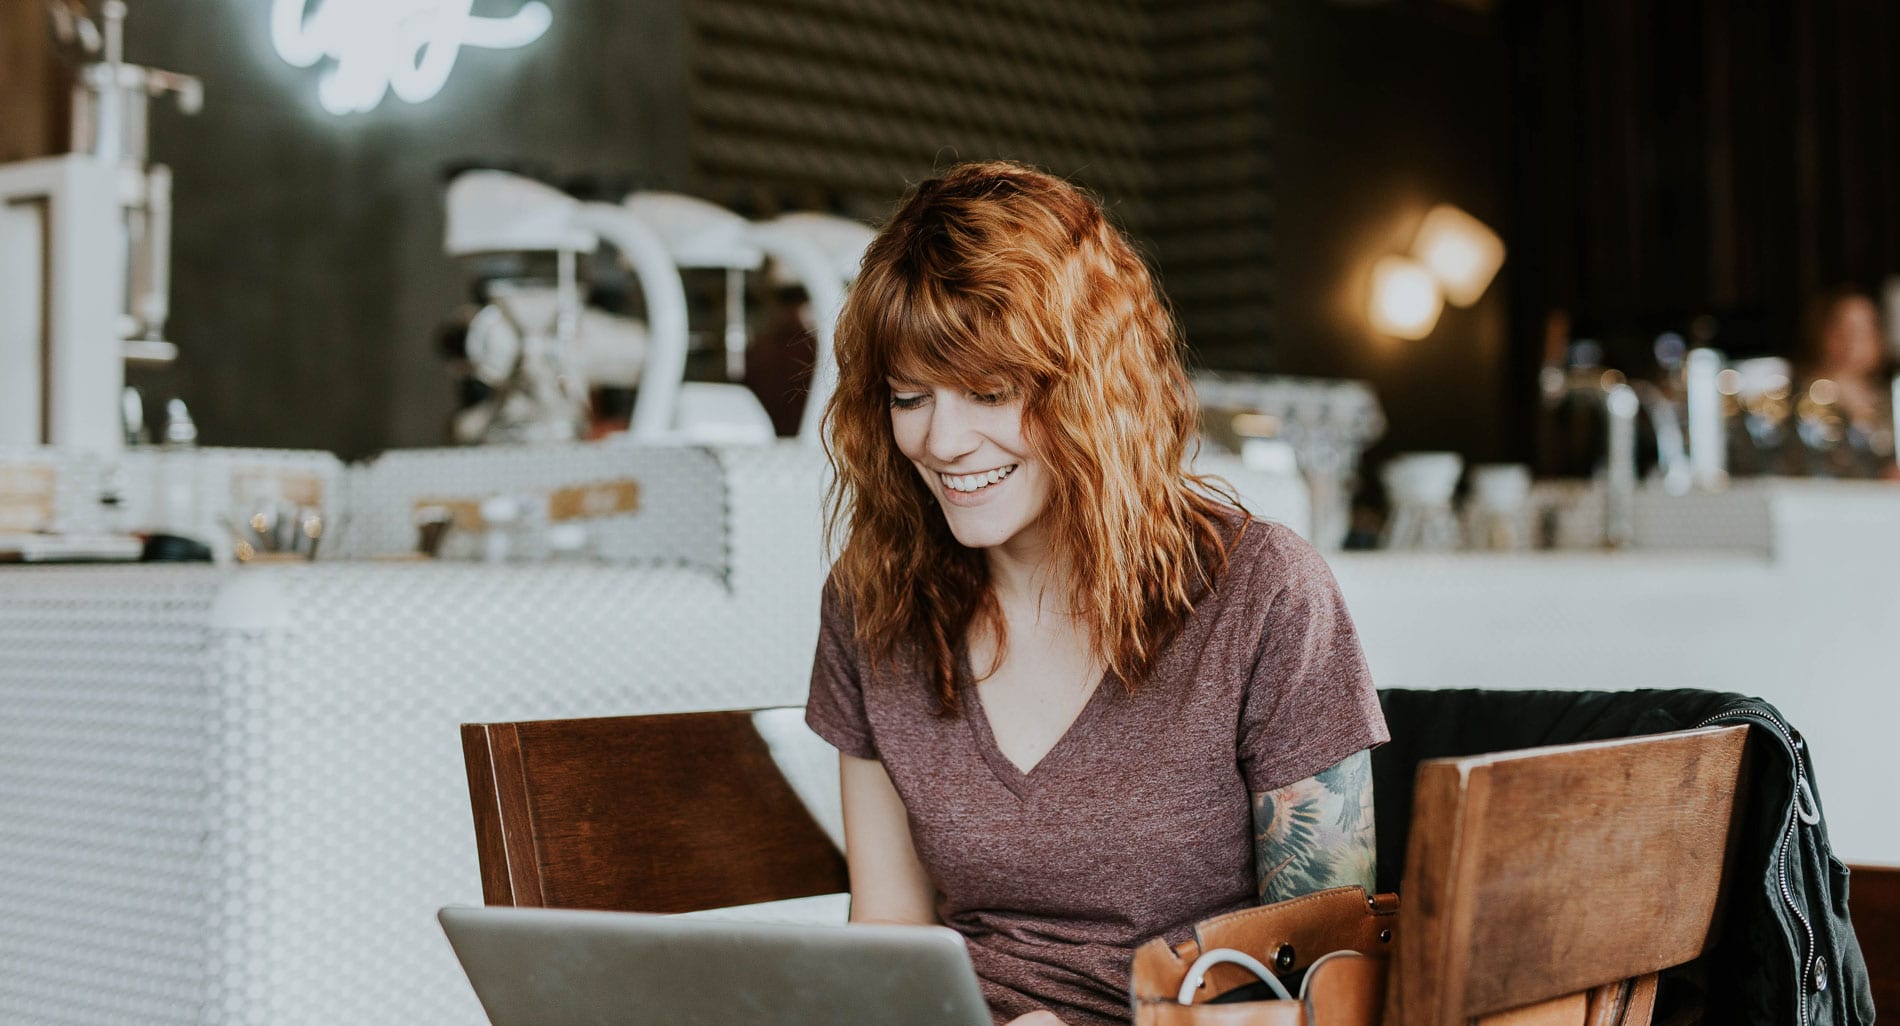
(1544,886)
(1549,885)
(667,813)
(1875,908)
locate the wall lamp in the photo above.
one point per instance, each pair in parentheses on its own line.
(1453,259)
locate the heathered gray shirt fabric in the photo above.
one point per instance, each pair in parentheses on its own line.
(1138,822)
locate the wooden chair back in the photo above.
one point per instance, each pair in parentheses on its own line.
(669,813)
(1874,908)
(1562,877)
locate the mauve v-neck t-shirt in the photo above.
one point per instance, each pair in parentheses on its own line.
(1138,823)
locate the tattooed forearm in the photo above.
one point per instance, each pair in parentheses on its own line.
(1316,833)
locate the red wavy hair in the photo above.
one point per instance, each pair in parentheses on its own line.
(996,275)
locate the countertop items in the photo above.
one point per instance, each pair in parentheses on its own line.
(1419,486)
(1496,512)
(1752,515)
(69,548)
(1329,424)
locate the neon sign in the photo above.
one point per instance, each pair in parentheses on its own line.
(379,46)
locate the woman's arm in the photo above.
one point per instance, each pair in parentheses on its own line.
(1316,833)
(888,883)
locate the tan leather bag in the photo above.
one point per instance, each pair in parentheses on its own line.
(1340,936)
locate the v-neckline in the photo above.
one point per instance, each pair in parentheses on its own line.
(1019,780)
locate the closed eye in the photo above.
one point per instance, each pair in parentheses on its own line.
(907,402)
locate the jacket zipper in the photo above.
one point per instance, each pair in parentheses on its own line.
(1804,960)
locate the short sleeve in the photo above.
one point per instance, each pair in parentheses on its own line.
(1309,702)
(835,707)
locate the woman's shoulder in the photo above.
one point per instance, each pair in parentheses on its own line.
(837,613)
(1262,544)
(1268,556)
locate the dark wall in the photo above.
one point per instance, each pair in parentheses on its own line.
(310,280)
(1645,160)
(1678,158)
(1380,112)
(32,93)
(1212,187)
(1160,107)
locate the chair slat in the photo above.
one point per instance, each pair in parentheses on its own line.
(1874,906)
(640,813)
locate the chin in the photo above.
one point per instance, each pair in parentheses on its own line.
(973,533)
(977,538)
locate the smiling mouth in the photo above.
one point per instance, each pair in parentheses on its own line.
(976,482)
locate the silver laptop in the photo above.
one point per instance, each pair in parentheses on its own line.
(556,967)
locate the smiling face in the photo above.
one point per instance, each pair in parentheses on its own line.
(971,451)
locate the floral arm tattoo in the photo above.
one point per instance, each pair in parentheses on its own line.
(1316,833)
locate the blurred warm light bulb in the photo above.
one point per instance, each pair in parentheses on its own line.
(1405,298)
(1460,251)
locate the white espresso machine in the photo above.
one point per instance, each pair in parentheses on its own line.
(533,334)
(85,250)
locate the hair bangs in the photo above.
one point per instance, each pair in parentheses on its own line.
(935,336)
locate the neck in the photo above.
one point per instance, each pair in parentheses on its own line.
(1022,573)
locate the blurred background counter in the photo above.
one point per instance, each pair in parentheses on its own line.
(1807,622)
(227,789)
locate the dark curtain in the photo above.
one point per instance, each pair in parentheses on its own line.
(1679,158)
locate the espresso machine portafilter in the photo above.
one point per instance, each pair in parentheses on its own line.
(85,246)
(110,121)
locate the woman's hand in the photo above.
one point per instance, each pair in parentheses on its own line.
(1039,1017)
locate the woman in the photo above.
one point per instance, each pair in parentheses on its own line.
(1845,412)
(1080,700)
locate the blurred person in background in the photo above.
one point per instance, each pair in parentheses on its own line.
(779,359)
(1845,406)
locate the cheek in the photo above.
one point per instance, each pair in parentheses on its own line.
(1039,495)
(1010,429)
(907,431)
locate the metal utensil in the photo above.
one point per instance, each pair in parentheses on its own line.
(263,525)
(310,522)
(132,414)
(289,519)
(432,527)
(243,540)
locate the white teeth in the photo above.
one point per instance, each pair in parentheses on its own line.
(972,482)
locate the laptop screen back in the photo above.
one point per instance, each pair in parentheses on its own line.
(559,967)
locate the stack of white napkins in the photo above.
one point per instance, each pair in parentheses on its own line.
(23,547)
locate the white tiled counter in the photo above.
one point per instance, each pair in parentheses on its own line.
(237,796)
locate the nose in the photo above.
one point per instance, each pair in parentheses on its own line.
(952,433)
